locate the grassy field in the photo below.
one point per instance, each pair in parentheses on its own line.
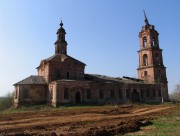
(42,108)
(168,125)
(85,120)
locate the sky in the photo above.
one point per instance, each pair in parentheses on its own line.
(101,33)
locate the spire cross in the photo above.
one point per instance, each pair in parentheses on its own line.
(61,24)
(146,20)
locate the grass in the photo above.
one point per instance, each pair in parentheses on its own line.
(45,107)
(22,109)
(168,125)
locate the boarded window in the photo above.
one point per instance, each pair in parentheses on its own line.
(25,93)
(66,93)
(101,93)
(112,93)
(127,93)
(120,94)
(88,94)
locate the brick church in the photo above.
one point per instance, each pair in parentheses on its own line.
(61,78)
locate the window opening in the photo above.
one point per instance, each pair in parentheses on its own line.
(144,42)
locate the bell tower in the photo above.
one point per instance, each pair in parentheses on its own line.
(61,44)
(151,68)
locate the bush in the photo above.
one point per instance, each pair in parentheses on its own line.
(175,95)
(6,102)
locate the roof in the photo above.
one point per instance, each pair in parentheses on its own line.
(62,57)
(32,80)
(96,77)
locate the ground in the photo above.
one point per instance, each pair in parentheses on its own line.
(85,120)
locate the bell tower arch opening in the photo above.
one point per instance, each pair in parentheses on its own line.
(144,42)
(145,60)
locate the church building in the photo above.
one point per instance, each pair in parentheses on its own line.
(61,79)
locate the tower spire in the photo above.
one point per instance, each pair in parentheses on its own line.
(146,20)
(61,24)
(61,44)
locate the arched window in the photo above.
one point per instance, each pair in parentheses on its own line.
(145,73)
(68,75)
(61,36)
(157,61)
(144,42)
(153,41)
(57,49)
(145,60)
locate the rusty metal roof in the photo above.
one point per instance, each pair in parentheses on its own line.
(32,80)
(96,77)
(61,57)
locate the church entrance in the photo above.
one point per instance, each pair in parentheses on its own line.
(135,96)
(78,97)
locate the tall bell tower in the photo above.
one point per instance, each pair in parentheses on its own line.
(151,68)
(61,44)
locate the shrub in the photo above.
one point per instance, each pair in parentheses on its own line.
(6,102)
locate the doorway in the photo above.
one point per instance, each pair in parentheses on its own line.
(78,97)
(135,96)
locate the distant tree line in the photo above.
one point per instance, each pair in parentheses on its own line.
(175,95)
(6,102)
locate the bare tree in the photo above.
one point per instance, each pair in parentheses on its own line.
(175,95)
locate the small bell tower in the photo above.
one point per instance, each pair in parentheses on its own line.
(61,44)
(151,68)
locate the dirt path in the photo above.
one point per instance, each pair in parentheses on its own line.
(65,122)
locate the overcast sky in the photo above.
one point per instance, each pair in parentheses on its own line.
(101,33)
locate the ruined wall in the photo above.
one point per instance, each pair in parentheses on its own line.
(67,92)
(30,94)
